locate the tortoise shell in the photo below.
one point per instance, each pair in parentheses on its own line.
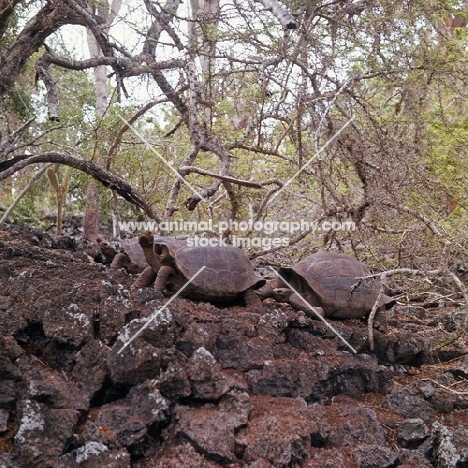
(228,271)
(134,251)
(333,280)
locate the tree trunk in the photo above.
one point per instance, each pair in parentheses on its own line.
(91,219)
(93,202)
(60,200)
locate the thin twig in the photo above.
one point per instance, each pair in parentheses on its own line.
(370,322)
(445,387)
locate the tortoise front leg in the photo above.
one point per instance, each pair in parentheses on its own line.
(252,301)
(145,279)
(161,279)
(299,304)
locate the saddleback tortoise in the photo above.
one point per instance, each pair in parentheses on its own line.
(108,252)
(227,275)
(132,258)
(330,281)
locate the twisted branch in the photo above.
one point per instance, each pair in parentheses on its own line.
(112,181)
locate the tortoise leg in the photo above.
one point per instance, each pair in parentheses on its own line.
(161,279)
(380,320)
(145,279)
(252,301)
(298,304)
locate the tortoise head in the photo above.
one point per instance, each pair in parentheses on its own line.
(387,302)
(146,240)
(106,249)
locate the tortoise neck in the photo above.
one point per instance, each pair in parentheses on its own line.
(151,258)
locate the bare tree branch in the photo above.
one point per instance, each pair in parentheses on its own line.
(42,68)
(94,23)
(225,163)
(171,205)
(6,9)
(277,9)
(171,94)
(109,180)
(370,321)
(429,223)
(184,170)
(9,145)
(160,24)
(118,138)
(293,241)
(444,387)
(126,67)
(257,149)
(50,18)
(163,19)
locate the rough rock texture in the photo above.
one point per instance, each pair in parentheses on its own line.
(93,374)
(412,433)
(375,456)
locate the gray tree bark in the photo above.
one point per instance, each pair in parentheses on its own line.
(93,202)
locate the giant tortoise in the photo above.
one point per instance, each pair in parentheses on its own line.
(227,275)
(131,259)
(330,281)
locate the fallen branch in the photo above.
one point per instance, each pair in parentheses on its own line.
(405,271)
(112,181)
(448,389)
(408,271)
(370,321)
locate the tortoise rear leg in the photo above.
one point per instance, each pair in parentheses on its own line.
(380,320)
(161,280)
(252,301)
(145,279)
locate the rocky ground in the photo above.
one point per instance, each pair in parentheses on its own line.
(203,386)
